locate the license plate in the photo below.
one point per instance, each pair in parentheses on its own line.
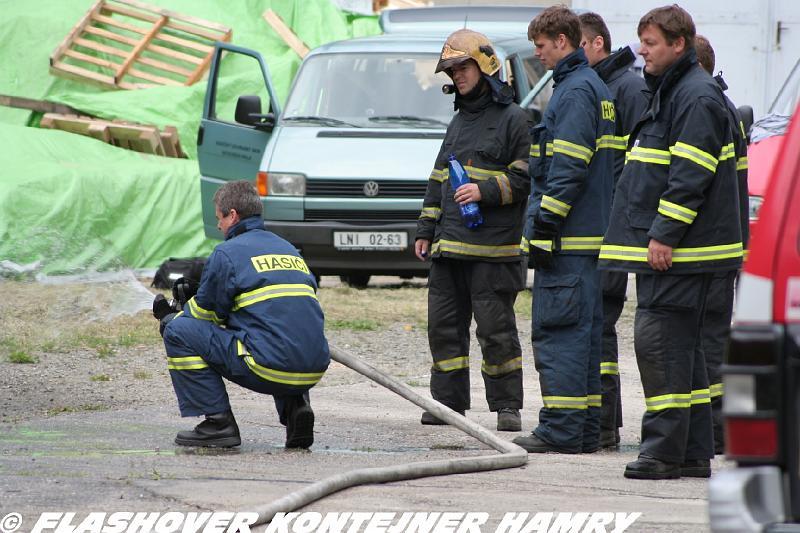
(370,240)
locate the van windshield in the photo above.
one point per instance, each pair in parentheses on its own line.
(371,90)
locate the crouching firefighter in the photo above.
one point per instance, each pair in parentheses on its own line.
(255,321)
(476,271)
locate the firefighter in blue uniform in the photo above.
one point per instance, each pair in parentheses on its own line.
(572,173)
(631,97)
(476,271)
(255,321)
(675,221)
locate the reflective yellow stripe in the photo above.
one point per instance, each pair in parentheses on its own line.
(504,368)
(438,174)
(695,155)
(193,362)
(279,376)
(524,245)
(727,152)
(534,152)
(581,243)
(741,163)
(668,401)
(555,206)
(678,212)
(478,250)
(202,314)
(716,389)
(566,402)
(649,155)
(610,368)
(594,400)
(273,291)
(504,184)
(613,142)
(449,365)
(431,212)
(482,174)
(560,146)
(679,255)
(700,396)
(542,244)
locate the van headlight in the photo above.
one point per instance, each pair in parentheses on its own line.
(279,184)
(755,206)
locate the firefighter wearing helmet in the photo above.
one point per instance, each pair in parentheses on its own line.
(476,271)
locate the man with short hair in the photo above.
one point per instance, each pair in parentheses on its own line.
(631,98)
(260,289)
(674,222)
(571,169)
(719,304)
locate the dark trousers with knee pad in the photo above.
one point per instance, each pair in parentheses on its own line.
(567,333)
(615,285)
(668,331)
(716,328)
(458,291)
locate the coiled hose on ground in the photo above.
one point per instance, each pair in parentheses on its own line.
(511,455)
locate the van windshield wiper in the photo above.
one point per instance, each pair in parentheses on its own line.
(407,118)
(327,121)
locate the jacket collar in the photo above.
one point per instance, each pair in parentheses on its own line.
(615,65)
(246,224)
(574,61)
(662,85)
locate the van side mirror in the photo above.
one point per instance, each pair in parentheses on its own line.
(248,112)
(746,112)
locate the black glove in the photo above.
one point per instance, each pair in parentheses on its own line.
(162,307)
(164,321)
(541,258)
(183,289)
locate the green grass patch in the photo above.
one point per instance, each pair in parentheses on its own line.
(353,324)
(141,374)
(522,306)
(21,357)
(75,409)
(100,377)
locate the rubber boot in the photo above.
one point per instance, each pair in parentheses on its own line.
(216,431)
(508,419)
(299,423)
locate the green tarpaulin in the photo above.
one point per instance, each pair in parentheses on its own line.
(75,203)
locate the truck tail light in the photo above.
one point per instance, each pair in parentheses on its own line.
(262,183)
(751,439)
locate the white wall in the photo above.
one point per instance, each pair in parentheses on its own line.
(744,34)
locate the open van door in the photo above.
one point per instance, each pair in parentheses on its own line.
(231,140)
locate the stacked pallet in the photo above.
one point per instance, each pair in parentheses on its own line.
(126,44)
(138,137)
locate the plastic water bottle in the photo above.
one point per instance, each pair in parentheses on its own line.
(470,213)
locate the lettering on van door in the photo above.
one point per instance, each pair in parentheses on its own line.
(237,150)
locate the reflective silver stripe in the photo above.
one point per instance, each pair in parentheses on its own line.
(482,174)
(694,154)
(679,255)
(727,152)
(623,253)
(280,376)
(504,368)
(202,314)
(566,402)
(648,155)
(560,146)
(438,174)
(542,244)
(504,184)
(700,396)
(273,291)
(524,245)
(478,250)
(716,389)
(449,365)
(741,163)
(581,243)
(555,205)
(612,142)
(594,400)
(431,212)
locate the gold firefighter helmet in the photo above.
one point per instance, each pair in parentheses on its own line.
(463,45)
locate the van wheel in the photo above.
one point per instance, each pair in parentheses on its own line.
(356,281)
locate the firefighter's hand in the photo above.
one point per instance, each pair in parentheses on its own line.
(162,307)
(422,249)
(183,289)
(469,192)
(659,255)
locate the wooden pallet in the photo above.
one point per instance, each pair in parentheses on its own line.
(138,137)
(127,44)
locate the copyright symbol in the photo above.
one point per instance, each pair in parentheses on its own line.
(10,523)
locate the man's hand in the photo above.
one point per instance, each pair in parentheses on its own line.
(422,249)
(469,192)
(162,307)
(659,255)
(183,289)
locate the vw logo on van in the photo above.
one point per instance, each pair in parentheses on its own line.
(371,189)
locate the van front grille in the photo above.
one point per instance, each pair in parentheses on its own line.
(356,188)
(358,216)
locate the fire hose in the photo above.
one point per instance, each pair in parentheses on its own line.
(511,455)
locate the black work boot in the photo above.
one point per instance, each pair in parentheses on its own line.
(431,420)
(646,467)
(299,423)
(535,444)
(216,431)
(696,468)
(508,419)
(609,439)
